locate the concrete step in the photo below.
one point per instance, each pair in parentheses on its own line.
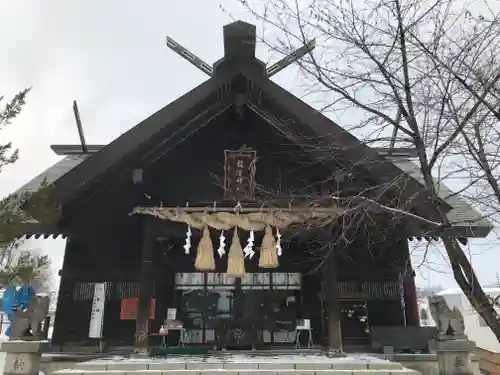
(237,372)
(214,366)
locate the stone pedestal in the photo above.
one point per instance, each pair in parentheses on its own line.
(454,356)
(22,357)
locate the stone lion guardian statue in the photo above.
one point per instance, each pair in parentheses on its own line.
(449,322)
(27,321)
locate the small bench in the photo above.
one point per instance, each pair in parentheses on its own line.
(400,339)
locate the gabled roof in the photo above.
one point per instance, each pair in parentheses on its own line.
(53,174)
(76,173)
(171,119)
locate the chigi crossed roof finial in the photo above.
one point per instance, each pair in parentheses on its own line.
(240,39)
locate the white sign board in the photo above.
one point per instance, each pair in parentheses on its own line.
(97,314)
(171,314)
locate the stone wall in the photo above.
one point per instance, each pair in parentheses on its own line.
(425,363)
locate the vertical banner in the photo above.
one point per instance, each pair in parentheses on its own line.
(239,174)
(97,314)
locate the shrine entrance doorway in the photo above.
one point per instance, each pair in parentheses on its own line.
(354,321)
(260,308)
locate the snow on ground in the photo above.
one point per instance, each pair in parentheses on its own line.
(247,358)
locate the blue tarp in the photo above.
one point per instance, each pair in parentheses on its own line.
(14,298)
(9,298)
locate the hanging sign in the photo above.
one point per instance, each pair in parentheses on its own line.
(97,314)
(239,174)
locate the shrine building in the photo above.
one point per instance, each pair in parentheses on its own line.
(233,205)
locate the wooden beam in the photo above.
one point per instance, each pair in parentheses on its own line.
(397,152)
(189,56)
(75,149)
(79,127)
(146,288)
(411,301)
(291,58)
(410,289)
(333,210)
(331,292)
(64,302)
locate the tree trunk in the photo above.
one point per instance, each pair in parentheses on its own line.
(467,281)
(463,272)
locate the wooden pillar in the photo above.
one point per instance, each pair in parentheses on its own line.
(146,288)
(411,301)
(63,316)
(331,293)
(410,290)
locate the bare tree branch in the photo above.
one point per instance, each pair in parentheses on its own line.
(429,69)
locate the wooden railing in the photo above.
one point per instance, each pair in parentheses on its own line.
(488,361)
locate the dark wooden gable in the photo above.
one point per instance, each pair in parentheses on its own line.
(194,171)
(239,83)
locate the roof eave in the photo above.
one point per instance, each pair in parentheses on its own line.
(459,230)
(473,231)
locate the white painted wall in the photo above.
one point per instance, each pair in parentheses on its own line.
(423,303)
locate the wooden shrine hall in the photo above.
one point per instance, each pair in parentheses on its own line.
(230,210)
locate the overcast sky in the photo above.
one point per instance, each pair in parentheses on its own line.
(111,57)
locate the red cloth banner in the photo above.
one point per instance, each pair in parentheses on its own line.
(128,310)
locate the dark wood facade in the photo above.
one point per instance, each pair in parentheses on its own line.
(377,284)
(180,151)
(107,241)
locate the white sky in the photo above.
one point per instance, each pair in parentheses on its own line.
(111,57)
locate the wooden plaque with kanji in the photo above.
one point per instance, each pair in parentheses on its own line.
(239,174)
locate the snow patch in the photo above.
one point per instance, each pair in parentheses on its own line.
(492,292)
(242,358)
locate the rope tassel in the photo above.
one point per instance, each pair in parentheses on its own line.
(268,252)
(235,258)
(205,254)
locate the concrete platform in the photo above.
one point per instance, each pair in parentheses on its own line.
(239,364)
